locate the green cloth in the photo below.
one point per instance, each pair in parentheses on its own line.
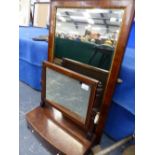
(80,51)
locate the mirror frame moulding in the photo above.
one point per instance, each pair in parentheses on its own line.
(83,124)
(129,12)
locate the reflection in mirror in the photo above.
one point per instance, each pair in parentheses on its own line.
(68,93)
(87,35)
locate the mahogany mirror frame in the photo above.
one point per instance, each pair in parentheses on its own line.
(27,11)
(84,124)
(129,10)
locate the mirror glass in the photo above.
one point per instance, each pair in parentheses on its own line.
(68,93)
(87,35)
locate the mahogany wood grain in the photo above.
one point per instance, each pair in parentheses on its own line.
(54,130)
(72,74)
(90,71)
(43,85)
(82,68)
(95,73)
(82,78)
(58,130)
(129,9)
(115,67)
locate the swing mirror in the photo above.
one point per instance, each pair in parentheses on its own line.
(70,92)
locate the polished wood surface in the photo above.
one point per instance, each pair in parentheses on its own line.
(66,111)
(82,78)
(90,71)
(129,9)
(54,131)
(58,131)
(72,74)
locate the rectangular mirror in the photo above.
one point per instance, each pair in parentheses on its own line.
(93,33)
(88,35)
(70,92)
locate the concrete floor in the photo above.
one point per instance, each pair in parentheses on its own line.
(29,145)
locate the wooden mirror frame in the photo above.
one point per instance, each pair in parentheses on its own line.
(82,68)
(84,124)
(129,10)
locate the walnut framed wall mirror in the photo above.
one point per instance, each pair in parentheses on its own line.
(87,40)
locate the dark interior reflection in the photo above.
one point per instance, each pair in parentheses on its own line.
(87,35)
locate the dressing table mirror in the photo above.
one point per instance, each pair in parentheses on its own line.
(86,44)
(71,93)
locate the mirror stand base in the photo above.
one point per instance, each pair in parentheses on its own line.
(58,132)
